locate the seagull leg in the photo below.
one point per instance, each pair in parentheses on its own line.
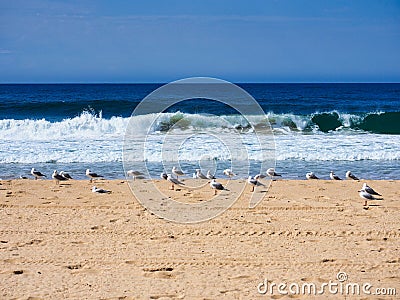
(252,188)
(215,192)
(366,203)
(172,187)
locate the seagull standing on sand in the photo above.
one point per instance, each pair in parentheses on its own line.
(210,176)
(333,176)
(57,177)
(37,174)
(200,175)
(65,175)
(349,175)
(134,174)
(100,191)
(173,181)
(216,186)
(311,175)
(271,173)
(369,190)
(177,172)
(253,182)
(229,173)
(92,175)
(367,196)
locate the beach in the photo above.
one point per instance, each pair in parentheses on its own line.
(65,241)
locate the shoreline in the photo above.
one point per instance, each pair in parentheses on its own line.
(59,241)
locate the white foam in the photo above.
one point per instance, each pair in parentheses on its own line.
(89,138)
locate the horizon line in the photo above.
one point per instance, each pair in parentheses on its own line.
(236,82)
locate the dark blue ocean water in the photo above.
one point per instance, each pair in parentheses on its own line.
(316,126)
(55,102)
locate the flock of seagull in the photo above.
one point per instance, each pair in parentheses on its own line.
(366,192)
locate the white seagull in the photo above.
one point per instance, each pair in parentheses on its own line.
(92,175)
(177,172)
(229,173)
(369,190)
(333,176)
(100,191)
(200,175)
(134,174)
(37,174)
(271,173)
(253,182)
(350,175)
(311,175)
(367,196)
(57,177)
(65,175)
(173,181)
(216,186)
(210,176)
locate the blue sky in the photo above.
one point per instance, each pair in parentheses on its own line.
(160,41)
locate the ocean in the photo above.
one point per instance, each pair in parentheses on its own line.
(316,127)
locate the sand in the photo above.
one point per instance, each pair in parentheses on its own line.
(65,241)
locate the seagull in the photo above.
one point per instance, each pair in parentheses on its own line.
(134,174)
(177,172)
(200,175)
(100,191)
(367,196)
(92,175)
(57,177)
(229,173)
(173,181)
(253,182)
(163,176)
(37,174)
(311,175)
(210,176)
(22,177)
(271,173)
(349,175)
(259,176)
(65,175)
(369,190)
(333,176)
(216,186)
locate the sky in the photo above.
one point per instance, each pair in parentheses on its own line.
(50,41)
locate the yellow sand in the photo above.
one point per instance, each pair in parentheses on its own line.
(68,242)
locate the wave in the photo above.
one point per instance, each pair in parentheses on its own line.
(85,126)
(379,122)
(374,122)
(89,125)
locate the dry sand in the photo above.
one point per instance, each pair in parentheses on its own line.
(65,241)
